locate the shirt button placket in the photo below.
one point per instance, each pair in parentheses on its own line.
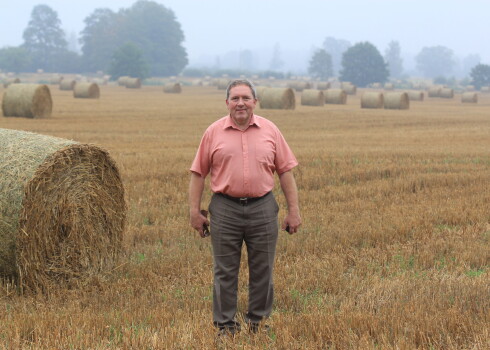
(246,167)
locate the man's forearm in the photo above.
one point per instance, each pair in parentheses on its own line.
(288,186)
(196,188)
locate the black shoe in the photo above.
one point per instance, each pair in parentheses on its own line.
(255,327)
(228,329)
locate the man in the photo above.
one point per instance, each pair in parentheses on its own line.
(242,151)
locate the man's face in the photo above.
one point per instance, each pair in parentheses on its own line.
(241,104)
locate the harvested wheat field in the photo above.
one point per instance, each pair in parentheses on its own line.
(394,251)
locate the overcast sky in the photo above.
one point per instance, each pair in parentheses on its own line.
(214,27)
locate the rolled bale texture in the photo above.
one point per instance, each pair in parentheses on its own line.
(67,85)
(222,84)
(27,100)
(434,91)
(446,93)
(323,85)
(469,97)
(277,98)
(415,95)
(389,86)
(335,96)
(485,89)
(62,210)
(121,81)
(172,88)
(396,100)
(11,81)
(86,90)
(299,85)
(312,97)
(133,83)
(259,91)
(372,99)
(349,88)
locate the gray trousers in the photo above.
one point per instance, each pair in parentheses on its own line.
(231,225)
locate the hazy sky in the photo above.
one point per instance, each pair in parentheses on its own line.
(214,27)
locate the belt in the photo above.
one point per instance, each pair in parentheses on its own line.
(243,200)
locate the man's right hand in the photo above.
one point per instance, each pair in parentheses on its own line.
(198,221)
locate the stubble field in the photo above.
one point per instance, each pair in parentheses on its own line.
(394,251)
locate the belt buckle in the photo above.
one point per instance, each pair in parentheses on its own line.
(243,200)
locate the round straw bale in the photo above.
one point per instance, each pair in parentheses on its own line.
(396,100)
(86,90)
(121,81)
(62,209)
(376,85)
(11,81)
(446,93)
(277,98)
(434,91)
(67,84)
(172,88)
(372,99)
(469,97)
(312,97)
(133,83)
(222,84)
(259,90)
(389,86)
(415,95)
(485,89)
(470,88)
(323,85)
(349,88)
(27,100)
(335,96)
(56,79)
(299,85)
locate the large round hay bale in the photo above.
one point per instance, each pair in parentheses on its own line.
(27,100)
(67,85)
(335,96)
(396,100)
(172,88)
(434,91)
(469,97)
(121,81)
(86,90)
(415,95)
(277,98)
(259,91)
(11,81)
(62,209)
(312,97)
(299,85)
(372,99)
(349,88)
(446,93)
(323,85)
(133,83)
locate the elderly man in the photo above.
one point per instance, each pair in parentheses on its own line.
(242,151)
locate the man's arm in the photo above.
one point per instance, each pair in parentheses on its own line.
(288,185)
(196,187)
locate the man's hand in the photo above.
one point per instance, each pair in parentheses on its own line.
(291,221)
(198,221)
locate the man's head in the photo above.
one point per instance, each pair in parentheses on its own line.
(241,101)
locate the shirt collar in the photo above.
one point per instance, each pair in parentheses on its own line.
(230,124)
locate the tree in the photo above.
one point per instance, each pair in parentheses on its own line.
(435,61)
(14,59)
(336,48)
(362,64)
(276,62)
(320,65)
(393,59)
(44,38)
(480,75)
(469,62)
(128,60)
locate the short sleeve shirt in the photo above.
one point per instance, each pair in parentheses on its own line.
(242,162)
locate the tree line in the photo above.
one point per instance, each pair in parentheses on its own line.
(143,40)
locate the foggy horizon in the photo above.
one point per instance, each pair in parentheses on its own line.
(216,30)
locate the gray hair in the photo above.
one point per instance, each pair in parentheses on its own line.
(237,82)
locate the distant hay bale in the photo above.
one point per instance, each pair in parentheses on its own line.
(222,84)
(469,97)
(312,97)
(372,99)
(434,91)
(323,85)
(259,90)
(446,93)
(132,83)
(299,85)
(86,90)
(396,100)
(277,98)
(335,96)
(55,79)
(415,95)
(376,85)
(172,88)
(349,88)
(27,100)
(470,88)
(485,89)
(11,81)
(389,86)
(62,210)
(121,81)
(67,85)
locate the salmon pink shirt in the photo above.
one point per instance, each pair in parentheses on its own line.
(242,163)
